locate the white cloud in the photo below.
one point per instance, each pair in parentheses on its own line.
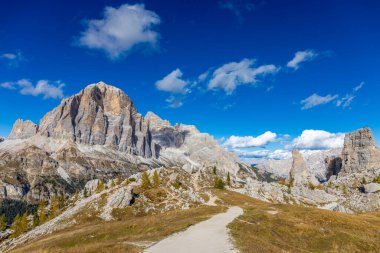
(121,30)
(173,83)
(232,74)
(317,140)
(42,87)
(174,102)
(315,100)
(12,59)
(250,141)
(278,154)
(301,56)
(348,98)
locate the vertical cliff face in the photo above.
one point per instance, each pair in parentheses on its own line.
(299,173)
(359,152)
(99,115)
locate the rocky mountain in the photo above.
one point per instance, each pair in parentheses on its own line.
(98,133)
(299,173)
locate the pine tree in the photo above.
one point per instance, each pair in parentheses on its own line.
(41,212)
(219,184)
(364,181)
(119,180)
(85,192)
(228,179)
(16,226)
(24,223)
(112,183)
(61,201)
(76,194)
(145,181)
(100,186)
(3,223)
(53,208)
(156,179)
(36,220)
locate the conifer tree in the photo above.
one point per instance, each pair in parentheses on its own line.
(53,208)
(156,179)
(24,223)
(16,226)
(119,180)
(145,181)
(41,212)
(3,223)
(85,192)
(228,179)
(100,186)
(76,194)
(112,183)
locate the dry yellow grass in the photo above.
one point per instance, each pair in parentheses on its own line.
(119,235)
(267,227)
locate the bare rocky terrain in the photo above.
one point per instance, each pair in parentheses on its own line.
(98,137)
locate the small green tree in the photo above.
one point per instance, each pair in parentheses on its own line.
(214,170)
(219,184)
(41,212)
(145,181)
(76,195)
(112,183)
(100,186)
(3,223)
(228,179)
(36,220)
(16,226)
(53,208)
(119,180)
(24,223)
(61,201)
(85,192)
(156,179)
(344,190)
(364,181)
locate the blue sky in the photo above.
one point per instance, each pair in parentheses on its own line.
(232,67)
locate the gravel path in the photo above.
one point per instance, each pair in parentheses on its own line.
(210,236)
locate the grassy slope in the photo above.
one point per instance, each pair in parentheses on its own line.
(267,227)
(119,235)
(264,227)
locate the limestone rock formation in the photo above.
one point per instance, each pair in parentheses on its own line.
(23,129)
(372,187)
(299,173)
(100,115)
(359,153)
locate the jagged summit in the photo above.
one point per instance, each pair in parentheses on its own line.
(100,114)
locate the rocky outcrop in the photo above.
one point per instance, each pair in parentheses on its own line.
(23,129)
(371,188)
(333,166)
(155,122)
(299,173)
(359,153)
(100,115)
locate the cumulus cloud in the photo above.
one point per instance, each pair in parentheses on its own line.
(233,74)
(12,59)
(278,154)
(42,87)
(315,100)
(173,83)
(301,56)
(317,140)
(121,30)
(250,141)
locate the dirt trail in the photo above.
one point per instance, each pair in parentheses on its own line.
(209,236)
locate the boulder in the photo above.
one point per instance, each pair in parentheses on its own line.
(371,188)
(92,185)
